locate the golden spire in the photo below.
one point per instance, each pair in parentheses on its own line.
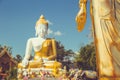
(42,20)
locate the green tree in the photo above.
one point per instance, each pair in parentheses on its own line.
(13,74)
(86,58)
(60,51)
(18,58)
(1,48)
(64,56)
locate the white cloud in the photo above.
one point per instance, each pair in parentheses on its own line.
(50,31)
(57,33)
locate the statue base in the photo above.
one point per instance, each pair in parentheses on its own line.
(39,72)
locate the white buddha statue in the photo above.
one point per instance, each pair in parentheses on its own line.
(44,48)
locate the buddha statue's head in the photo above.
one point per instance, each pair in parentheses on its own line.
(41,27)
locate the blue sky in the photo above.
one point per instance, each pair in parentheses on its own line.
(18,18)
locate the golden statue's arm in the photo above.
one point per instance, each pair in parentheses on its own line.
(54,50)
(81,16)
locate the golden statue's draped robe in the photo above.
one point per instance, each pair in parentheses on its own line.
(106,25)
(48,50)
(105,16)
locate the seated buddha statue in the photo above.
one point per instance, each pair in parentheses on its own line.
(44,48)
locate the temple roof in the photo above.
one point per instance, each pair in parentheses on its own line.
(6,57)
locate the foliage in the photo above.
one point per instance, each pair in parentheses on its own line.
(18,58)
(60,51)
(86,58)
(1,48)
(13,74)
(64,56)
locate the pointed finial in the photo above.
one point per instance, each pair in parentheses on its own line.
(42,17)
(42,20)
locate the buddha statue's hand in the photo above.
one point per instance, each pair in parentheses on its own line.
(81,16)
(45,59)
(25,62)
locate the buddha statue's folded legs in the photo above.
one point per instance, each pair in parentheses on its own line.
(39,64)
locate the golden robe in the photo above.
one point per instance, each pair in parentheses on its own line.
(105,16)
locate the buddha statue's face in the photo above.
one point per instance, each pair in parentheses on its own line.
(41,30)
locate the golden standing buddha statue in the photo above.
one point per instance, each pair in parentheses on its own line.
(45,49)
(105,16)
